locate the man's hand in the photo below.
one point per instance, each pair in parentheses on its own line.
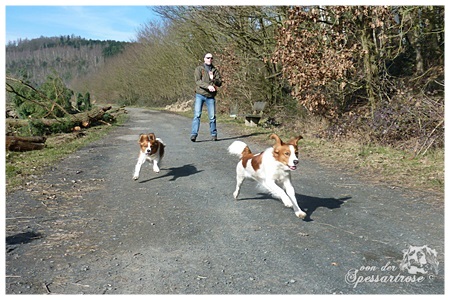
(211,88)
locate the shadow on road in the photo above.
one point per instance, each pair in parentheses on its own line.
(307,203)
(310,204)
(232,138)
(177,172)
(23,238)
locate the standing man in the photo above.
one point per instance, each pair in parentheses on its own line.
(207,80)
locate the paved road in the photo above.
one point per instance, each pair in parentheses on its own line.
(86,227)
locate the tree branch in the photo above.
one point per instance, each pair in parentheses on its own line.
(54,103)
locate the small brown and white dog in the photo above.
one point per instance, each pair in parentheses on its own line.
(152,149)
(271,168)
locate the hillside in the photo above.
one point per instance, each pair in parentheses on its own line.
(70,57)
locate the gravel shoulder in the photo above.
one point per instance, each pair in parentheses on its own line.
(85,227)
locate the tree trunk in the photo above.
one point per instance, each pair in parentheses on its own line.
(418,48)
(17,143)
(84,119)
(369,68)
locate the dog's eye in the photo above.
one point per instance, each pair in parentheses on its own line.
(287,153)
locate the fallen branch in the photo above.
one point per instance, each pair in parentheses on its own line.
(428,138)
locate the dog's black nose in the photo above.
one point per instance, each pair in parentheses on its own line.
(295,162)
(148,150)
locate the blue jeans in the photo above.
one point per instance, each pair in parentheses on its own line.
(211,106)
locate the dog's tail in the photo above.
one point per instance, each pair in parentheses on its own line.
(239,148)
(161,141)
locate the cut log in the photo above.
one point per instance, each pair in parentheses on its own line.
(20,143)
(84,119)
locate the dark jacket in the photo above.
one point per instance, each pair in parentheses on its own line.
(202,81)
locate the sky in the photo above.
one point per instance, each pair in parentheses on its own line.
(91,19)
(120,23)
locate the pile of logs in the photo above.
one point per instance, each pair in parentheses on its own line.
(84,119)
(80,120)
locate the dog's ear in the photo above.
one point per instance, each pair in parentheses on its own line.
(142,137)
(294,140)
(151,136)
(276,138)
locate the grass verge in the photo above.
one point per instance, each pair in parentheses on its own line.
(20,167)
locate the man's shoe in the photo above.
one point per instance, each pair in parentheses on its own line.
(193,138)
(214,138)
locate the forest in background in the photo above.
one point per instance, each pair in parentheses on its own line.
(70,57)
(373,73)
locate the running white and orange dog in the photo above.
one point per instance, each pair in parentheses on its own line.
(271,168)
(152,149)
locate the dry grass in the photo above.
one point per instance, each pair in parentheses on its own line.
(374,162)
(381,164)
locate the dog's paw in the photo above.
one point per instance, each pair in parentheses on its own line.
(301,214)
(235,195)
(135,177)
